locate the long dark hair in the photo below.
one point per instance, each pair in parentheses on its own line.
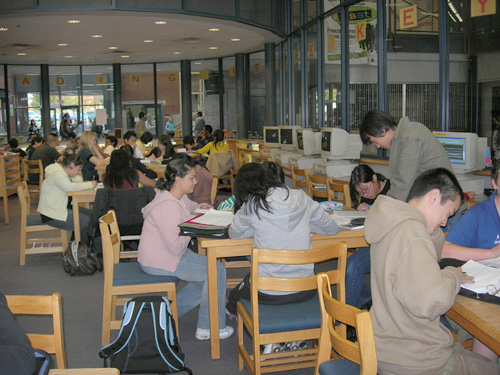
(120,170)
(361,175)
(177,167)
(165,141)
(218,137)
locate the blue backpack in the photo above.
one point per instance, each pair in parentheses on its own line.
(147,341)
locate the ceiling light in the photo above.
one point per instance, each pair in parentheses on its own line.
(235,39)
(177,53)
(148,41)
(160,22)
(112,47)
(62,44)
(214,29)
(68,57)
(21,54)
(125,56)
(74,21)
(4,28)
(197,63)
(212,47)
(96,36)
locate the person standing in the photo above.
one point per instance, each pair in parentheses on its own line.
(140,126)
(150,124)
(199,123)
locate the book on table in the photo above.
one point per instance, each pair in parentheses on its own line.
(212,224)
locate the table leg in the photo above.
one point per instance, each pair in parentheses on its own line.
(76,218)
(213,299)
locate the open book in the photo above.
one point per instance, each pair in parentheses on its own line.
(486,278)
(213,223)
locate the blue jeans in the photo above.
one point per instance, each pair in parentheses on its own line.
(358,265)
(192,268)
(69,224)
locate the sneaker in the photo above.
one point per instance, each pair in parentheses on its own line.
(230,315)
(204,334)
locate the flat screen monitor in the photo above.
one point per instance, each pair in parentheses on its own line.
(288,137)
(308,142)
(461,149)
(334,143)
(271,136)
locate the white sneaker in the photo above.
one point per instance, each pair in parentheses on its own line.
(204,334)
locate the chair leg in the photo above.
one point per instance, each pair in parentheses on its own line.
(6,209)
(22,252)
(106,319)
(240,334)
(64,240)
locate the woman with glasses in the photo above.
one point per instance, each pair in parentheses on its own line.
(366,185)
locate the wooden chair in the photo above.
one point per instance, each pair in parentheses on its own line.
(34,224)
(359,358)
(33,167)
(268,324)
(125,279)
(342,188)
(296,183)
(287,171)
(315,185)
(43,305)
(234,173)
(215,184)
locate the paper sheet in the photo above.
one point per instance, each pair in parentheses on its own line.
(214,217)
(487,279)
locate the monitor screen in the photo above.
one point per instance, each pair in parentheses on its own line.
(300,141)
(455,149)
(286,136)
(326,141)
(271,135)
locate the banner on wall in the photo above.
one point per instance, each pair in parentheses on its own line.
(362,34)
(482,7)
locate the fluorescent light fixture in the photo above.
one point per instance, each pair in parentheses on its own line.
(112,47)
(160,22)
(73,21)
(212,47)
(62,44)
(214,29)
(125,56)
(68,57)
(454,11)
(4,29)
(21,54)
(96,36)
(148,41)
(235,39)
(197,63)
(177,53)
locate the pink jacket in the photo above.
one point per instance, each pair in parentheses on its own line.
(160,245)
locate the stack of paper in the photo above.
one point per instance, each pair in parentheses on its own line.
(486,279)
(214,217)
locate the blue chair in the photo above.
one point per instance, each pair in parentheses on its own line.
(126,279)
(358,358)
(269,324)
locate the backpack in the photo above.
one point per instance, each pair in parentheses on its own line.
(147,341)
(78,260)
(43,361)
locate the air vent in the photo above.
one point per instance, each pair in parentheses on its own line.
(118,51)
(20,45)
(191,40)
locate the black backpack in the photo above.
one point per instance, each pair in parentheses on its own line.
(147,341)
(78,260)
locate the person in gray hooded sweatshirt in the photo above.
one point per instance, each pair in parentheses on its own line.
(277,218)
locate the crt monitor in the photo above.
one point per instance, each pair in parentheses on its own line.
(308,142)
(461,149)
(334,143)
(271,136)
(288,137)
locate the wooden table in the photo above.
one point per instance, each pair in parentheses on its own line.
(215,249)
(82,196)
(480,319)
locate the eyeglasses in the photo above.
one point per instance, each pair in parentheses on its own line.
(365,190)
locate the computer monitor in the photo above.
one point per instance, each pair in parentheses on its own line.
(334,143)
(308,142)
(462,150)
(271,136)
(288,137)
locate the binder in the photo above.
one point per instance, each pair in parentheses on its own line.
(192,229)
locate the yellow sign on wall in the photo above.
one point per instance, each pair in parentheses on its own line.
(100,80)
(203,74)
(408,17)
(256,68)
(172,77)
(360,31)
(59,81)
(482,7)
(331,42)
(232,71)
(25,81)
(135,78)
(311,49)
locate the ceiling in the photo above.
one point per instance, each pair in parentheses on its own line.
(183,37)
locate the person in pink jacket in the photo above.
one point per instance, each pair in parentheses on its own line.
(163,252)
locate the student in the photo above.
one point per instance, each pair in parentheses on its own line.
(163,252)
(72,146)
(36,142)
(410,292)
(47,152)
(91,156)
(136,163)
(365,186)
(14,147)
(61,178)
(203,189)
(130,138)
(111,143)
(368,185)
(121,175)
(140,144)
(140,126)
(277,217)
(190,144)
(205,136)
(217,145)
(164,151)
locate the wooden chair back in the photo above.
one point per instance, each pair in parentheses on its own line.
(296,182)
(213,191)
(342,188)
(315,185)
(34,167)
(335,316)
(43,305)
(287,170)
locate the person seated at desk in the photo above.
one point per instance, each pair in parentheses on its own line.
(130,138)
(13,146)
(189,143)
(365,186)
(163,252)
(203,189)
(410,291)
(72,146)
(164,151)
(277,217)
(136,163)
(205,136)
(36,142)
(477,237)
(140,144)
(61,178)
(217,145)
(91,156)
(121,175)
(47,152)
(110,143)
